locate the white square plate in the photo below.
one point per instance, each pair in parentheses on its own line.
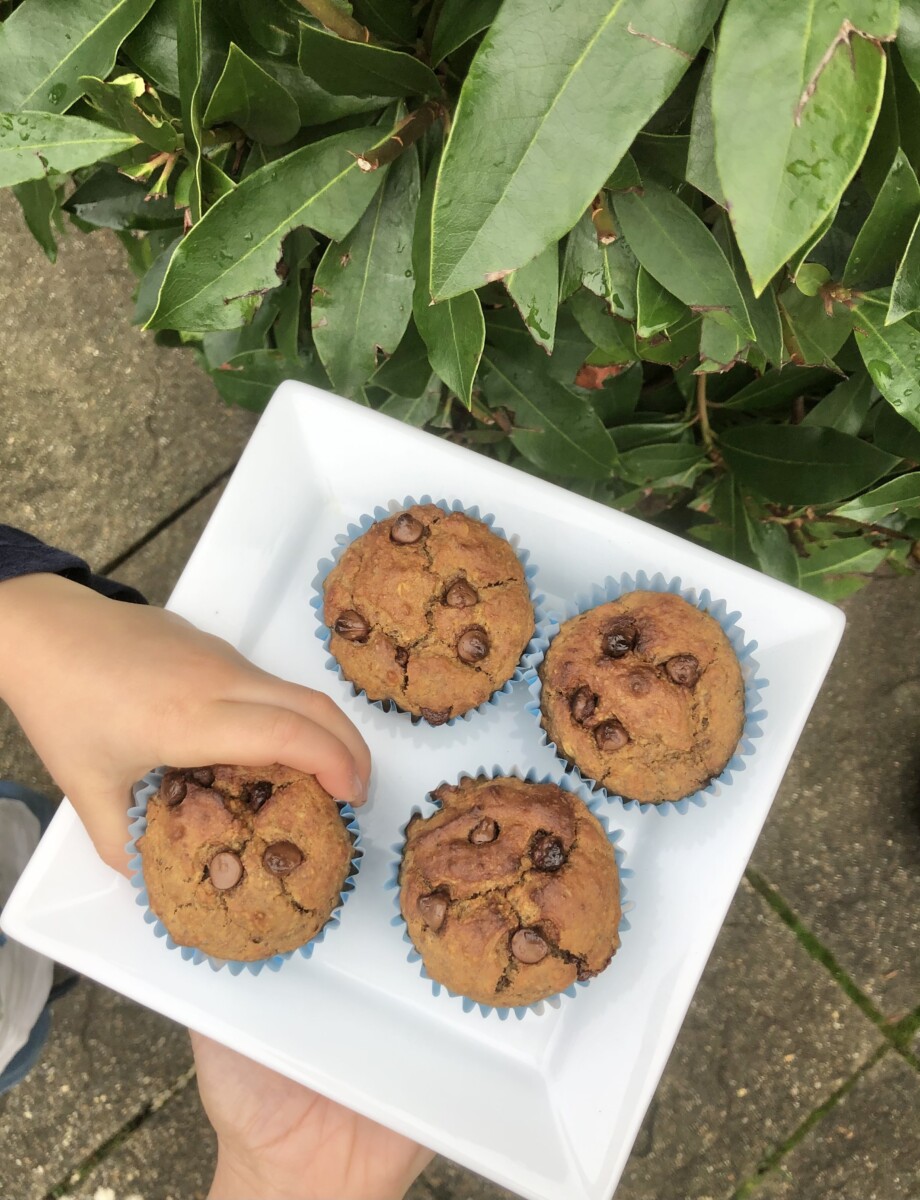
(548,1106)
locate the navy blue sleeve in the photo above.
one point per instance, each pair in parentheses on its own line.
(23,554)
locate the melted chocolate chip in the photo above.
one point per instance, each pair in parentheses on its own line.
(473,645)
(610,735)
(435,716)
(582,704)
(683,669)
(433,909)
(281,858)
(225,870)
(402,656)
(173,788)
(351,626)
(528,947)
(406,530)
(203,776)
(547,851)
(259,793)
(461,595)
(620,637)
(485,831)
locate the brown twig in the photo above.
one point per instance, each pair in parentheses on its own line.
(331,17)
(407,132)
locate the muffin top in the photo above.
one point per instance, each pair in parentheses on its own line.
(510,891)
(244,862)
(429,609)
(644,695)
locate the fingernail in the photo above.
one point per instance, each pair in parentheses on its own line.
(358,789)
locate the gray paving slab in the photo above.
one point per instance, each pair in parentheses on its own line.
(104,432)
(105,1060)
(842,844)
(865,1148)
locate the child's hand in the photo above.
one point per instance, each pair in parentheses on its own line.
(106,690)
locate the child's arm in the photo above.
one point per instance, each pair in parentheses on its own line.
(106,690)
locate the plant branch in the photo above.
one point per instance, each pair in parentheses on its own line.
(703,413)
(331,17)
(407,132)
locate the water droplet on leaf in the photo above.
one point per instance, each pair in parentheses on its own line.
(56,95)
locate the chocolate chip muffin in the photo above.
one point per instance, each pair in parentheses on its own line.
(510,891)
(428,609)
(644,695)
(244,862)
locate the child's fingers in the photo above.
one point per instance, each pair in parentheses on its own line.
(105,818)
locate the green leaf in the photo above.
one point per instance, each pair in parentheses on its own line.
(674,246)
(905,292)
(898,495)
(270,25)
(885,234)
(763,309)
(534,288)
(570,345)
(459,21)
(674,347)
(392,20)
(249,379)
(662,157)
(847,406)
(557,430)
(357,69)
(362,290)
(552,101)
(116,102)
(909,38)
(886,137)
(189,67)
(666,465)
(848,554)
(232,252)
(219,348)
(701,154)
(814,337)
(810,278)
(407,371)
(720,348)
(635,434)
(298,248)
(892,354)
(794,102)
(453,330)
(616,401)
(148,290)
(109,200)
(249,97)
(606,270)
(625,175)
(152,45)
(892,433)
(802,464)
(772,549)
(44,52)
(728,508)
(315,106)
(609,333)
(656,308)
(40,201)
(418,411)
(36,144)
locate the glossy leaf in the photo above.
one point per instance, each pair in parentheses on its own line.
(570,345)
(625,175)
(250,378)
(843,555)
(148,291)
(391,20)
(674,246)
(36,144)
(909,38)
(675,346)
(418,410)
(813,240)
(606,270)
(459,21)
(887,230)
(357,69)
(557,430)
(720,348)
(407,371)
(315,106)
(892,355)
(453,330)
(898,495)
(247,96)
(44,52)
(846,407)
(40,202)
(905,291)
(151,47)
(812,337)
(189,68)
(656,308)
(298,249)
(109,200)
(362,290)
(232,252)
(772,549)
(117,103)
(514,175)
(701,153)
(802,464)
(795,95)
(763,309)
(666,465)
(534,288)
(611,334)
(616,400)
(892,433)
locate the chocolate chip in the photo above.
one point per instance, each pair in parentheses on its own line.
(433,909)
(528,947)
(225,870)
(620,637)
(173,788)
(406,529)
(351,626)
(259,793)
(203,776)
(485,831)
(547,851)
(582,704)
(610,735)
(281,858)
(473,645)
(461,595)
(683,669)
(435,716)
(402,656)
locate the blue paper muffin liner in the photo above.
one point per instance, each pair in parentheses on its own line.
(431,805)
(137,814)
(533,651)
(612,589)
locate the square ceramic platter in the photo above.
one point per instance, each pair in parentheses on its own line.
(547,1106)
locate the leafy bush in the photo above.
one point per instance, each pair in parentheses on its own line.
(665,254)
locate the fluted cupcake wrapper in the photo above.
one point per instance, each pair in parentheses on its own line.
(613,589)
(568,784)
(533,652)
(137,814)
